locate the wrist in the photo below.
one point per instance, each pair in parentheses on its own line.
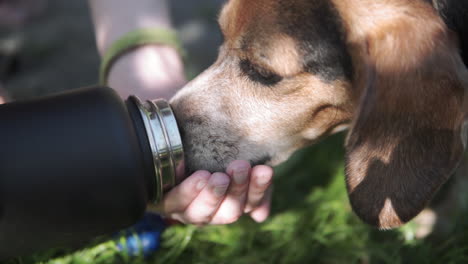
(148,71)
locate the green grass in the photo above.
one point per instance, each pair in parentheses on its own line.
(311,222)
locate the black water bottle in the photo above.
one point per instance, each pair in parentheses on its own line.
(81,164)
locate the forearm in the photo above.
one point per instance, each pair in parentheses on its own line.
(114,18)
(149,71)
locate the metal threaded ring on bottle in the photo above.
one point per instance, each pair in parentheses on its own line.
(165,143)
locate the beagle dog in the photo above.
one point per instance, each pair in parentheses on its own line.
(291,72)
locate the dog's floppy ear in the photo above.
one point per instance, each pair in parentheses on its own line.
(406,137)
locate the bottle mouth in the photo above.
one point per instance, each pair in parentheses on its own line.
(165,143)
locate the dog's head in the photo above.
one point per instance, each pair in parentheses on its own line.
(293,71)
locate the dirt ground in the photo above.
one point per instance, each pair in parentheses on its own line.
(57,50)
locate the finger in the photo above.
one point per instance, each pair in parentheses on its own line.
(183,194)
(261,213)
(260,179)
(203,207)
(232,207)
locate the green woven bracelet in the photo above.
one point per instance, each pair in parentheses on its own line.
(135,39)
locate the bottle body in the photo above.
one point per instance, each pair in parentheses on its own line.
(72,166)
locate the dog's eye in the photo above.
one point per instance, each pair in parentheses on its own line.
(258,74)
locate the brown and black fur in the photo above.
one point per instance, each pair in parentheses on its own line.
(291,72)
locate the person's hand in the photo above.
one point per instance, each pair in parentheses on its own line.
(221,198)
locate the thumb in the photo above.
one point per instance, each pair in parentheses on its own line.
(180,197)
